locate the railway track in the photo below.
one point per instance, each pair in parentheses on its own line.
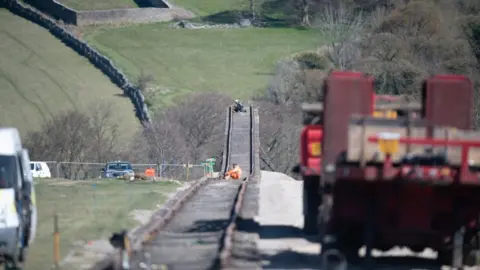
(198,228)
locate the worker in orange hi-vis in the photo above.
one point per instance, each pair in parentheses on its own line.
(235,173)
(150,172)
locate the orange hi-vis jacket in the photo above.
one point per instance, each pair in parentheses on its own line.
(235,173)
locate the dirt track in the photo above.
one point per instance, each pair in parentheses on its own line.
(283,245)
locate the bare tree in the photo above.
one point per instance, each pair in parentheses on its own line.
(343,29)
(287,83)
(304,12)
(279,133)
(143,81)
(74,136)
(189,131)
(105,132)
(416,39)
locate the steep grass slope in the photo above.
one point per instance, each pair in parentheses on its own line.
(40,76)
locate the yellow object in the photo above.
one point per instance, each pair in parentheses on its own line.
(445,172)
(388,142)
(126,243)
(34,197)
(56,242)
(387,114)
(315,149)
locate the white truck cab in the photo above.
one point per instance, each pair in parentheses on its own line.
(40,169)
(18,215)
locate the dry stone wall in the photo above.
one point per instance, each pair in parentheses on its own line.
(160,11)
(56,10)
(97,59)
(132,15)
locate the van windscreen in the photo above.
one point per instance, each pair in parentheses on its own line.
(8,171)
(119,166)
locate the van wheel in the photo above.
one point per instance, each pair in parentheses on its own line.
(22,255)
(17,262)
(11,266)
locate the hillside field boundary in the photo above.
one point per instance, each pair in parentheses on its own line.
(98,60)
(160,10)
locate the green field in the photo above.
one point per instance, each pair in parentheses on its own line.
(200,7)
(88,210)
(235,61)
(208,7)
(99,5)
(40,76)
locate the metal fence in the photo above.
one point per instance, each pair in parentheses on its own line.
(182,172)
(91,170)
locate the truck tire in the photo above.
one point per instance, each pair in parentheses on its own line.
(311,203)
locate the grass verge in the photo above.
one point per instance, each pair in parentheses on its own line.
(207,7)
(40,76)
(88,210)
(237,61)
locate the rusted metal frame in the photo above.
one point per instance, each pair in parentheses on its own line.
(226,250)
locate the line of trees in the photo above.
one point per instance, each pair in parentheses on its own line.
(190,131)
(399,42)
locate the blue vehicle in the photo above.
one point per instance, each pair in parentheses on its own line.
(117,169)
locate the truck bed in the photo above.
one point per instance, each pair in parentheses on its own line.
(361,147)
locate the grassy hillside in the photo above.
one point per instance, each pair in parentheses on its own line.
(87,210)
(99,5)
(207,7)
(40,76)
(237,61)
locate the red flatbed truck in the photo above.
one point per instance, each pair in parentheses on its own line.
(310,150)
(381,183)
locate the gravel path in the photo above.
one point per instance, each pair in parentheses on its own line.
(282,244)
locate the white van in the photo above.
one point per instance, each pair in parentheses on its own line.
(40,170)
(18,214)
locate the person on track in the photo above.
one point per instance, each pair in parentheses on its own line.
(235,173)
(238,107)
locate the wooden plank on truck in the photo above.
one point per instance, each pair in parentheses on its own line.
(361,128)
(454,153)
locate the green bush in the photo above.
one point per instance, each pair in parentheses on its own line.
(471,29)
(312,60)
